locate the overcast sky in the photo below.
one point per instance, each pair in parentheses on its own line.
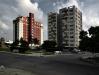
(10,9)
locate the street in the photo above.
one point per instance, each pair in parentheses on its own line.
(52,65)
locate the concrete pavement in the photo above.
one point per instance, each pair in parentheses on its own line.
(54,65)
(12,71)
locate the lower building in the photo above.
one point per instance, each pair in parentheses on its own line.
(27,28)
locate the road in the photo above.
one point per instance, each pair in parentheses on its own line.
(52,65)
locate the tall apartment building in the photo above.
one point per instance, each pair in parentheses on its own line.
(69,27)
(20,28)
(27,28)
(52,26)
(41,41)
(31,23)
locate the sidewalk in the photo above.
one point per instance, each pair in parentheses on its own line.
(37,54)
(11,71)
(91,61)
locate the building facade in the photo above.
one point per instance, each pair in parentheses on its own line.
(27,28)
(30,27)
(20,28)
(42,34)
(69,27)
(52,26)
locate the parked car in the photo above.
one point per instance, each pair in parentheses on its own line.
(75,50)
(16,50)
(58,52)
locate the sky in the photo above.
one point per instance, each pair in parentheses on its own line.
(10,9)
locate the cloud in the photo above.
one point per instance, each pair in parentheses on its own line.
(90,17)
(3,26)
(89,11)
(10,9)
(61,4)
(27,6)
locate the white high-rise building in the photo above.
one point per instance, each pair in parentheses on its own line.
(42,38)
(68,27)
(71,21)
(19,28)
(52,26)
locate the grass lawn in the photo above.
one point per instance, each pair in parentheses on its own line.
(48,53)
(4,49)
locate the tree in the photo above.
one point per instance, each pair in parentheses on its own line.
(49,45)
(35,41)
(23,45)
(84,42)
(94,33)
(14,45)
(2,42)
(83,34)
(91,42)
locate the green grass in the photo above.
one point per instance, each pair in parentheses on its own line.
(4,49)
(48,53)
(28,52)
(31,51)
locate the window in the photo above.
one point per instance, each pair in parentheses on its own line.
(71,32)
(71,40)
(71,25)
(71,36)
(71,44)
(71,17)
(71,29)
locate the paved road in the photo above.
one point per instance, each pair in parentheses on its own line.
(52,65)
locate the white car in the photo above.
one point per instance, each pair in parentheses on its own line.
(15,50)
(58,52)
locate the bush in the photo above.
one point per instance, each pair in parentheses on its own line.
(21,49)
